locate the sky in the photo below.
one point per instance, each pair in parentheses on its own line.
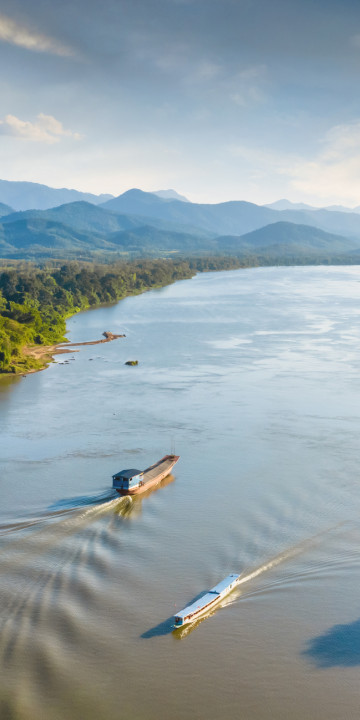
(220,100)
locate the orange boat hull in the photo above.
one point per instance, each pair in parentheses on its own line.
(147,484)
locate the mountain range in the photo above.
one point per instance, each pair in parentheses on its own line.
(287,205)
(163,223)
(28,195)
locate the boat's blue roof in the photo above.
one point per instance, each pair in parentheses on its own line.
(128,473)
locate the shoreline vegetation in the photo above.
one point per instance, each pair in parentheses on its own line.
(36,301)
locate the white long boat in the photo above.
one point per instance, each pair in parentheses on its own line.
(206,602)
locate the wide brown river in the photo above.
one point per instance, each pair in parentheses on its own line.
(253,376)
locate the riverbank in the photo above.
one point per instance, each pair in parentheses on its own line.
(35,302)
(45,353)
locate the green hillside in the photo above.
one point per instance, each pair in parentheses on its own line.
(231,218)
(79,215)
(44,238)
(5,209)
(84,231)
(286,238)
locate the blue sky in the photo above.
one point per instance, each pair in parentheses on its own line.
(220,99)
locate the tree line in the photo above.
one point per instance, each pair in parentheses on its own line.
(35,301)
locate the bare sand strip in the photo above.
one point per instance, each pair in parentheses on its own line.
(46,352)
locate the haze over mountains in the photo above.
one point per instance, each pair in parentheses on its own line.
(164,223)
(28,195)
(287,205)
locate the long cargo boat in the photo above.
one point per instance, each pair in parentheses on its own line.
(134,482)
(206,602)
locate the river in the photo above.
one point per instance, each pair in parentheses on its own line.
(253,377)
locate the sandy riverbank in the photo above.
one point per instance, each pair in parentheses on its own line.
(45,353)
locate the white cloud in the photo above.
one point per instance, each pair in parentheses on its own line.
(330,176)
(341,139)
(334,173)
(46,129)
(16,34)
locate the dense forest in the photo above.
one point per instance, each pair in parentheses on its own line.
(35,301)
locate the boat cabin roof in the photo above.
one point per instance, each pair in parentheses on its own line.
(225,583)
(208,597)
(197,605)
(128,473)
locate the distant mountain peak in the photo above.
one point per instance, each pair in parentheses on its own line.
(284,204)
(143,195)
(170,195)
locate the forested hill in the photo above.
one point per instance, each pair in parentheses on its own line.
(139,224)
(35,302)
(5,210)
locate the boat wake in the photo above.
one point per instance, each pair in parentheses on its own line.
(76,507)
(279,559)
(83,500)
(239,593)
(62,552)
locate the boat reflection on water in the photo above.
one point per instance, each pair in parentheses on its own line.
(131,505)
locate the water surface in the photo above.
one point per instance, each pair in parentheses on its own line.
(254,376)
